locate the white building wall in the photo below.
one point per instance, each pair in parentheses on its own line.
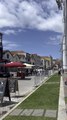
(8,56)
(16,58)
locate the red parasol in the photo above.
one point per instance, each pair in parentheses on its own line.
(14,64)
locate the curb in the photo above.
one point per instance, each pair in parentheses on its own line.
(61,105)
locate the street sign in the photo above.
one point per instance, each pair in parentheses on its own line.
(13,85)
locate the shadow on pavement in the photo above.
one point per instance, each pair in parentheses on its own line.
(25,79)
(18,96)
(7,103)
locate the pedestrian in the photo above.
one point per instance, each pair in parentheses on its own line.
(59,71)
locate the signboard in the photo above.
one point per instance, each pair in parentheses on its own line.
(4,89)
(13,85)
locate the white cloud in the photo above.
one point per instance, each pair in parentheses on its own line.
(9,32)
(43,15)
(9,45)
(55,40)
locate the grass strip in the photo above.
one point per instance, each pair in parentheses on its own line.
(46,97)
(27,118)
(54,78)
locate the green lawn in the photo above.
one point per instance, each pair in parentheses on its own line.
(46,97)
(27,118)
(54,78)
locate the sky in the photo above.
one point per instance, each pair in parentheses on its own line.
(33,26)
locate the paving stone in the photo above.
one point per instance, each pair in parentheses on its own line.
(65,90)
(51,113)
(16,112)
(27,112)
(66,108)
(38,112)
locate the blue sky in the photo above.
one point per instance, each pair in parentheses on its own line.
(34,26)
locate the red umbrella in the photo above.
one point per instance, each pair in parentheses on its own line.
(14,64)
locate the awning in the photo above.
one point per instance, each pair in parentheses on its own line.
(14,64)
(28,65)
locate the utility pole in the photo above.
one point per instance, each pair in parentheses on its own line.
(65,38)
(63,3)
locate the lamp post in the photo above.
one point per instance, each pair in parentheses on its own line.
(65,38)
(64,42)
(1,47)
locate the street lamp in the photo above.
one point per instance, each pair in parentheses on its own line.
(65,38)
(64,50)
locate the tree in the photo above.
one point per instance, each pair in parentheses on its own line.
(59,3)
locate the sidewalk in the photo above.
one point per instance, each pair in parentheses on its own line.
(65,98)
(61,106)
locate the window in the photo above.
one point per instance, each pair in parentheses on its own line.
(7,55)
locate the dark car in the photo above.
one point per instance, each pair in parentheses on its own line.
(4,74)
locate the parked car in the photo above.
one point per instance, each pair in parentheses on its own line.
(4,74)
